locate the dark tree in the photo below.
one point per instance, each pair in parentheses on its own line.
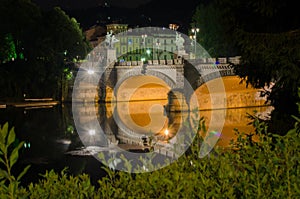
(36,48)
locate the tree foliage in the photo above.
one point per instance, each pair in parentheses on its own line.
(44,41)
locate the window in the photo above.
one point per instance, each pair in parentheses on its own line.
(129,41)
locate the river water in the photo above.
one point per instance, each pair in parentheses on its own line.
(51,138)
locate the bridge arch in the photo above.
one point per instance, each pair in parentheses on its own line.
(237,93)
(140,79)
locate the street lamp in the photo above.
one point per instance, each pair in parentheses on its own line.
(90,72)
(157,46)
(144,39)
(195,31)
(144,42)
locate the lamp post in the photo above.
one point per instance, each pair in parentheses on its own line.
(144,40)
(157,46)
(194,36)
(144,36)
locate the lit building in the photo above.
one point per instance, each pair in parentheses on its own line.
(134,46)
(173,26)
(116,28)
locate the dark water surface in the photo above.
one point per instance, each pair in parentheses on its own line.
(50,134)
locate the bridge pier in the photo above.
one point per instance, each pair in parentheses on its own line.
(177,101)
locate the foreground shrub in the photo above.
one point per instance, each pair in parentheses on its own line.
(267,169)
(54,185)
(9,154)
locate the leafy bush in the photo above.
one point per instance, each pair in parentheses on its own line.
(9,185)
(269,168)
(62,186)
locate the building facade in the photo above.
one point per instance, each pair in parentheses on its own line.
(135,46)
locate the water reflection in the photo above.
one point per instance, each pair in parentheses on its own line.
(52,141)
(149,118)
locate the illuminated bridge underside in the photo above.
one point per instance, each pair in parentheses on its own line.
(237,94)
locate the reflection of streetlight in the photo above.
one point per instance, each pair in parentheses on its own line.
(90,72)
(166,132)
(195,31)
(92,132)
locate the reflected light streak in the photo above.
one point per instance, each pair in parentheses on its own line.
(92,132)
(90,72)
(166,132)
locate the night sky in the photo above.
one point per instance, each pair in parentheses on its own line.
(78,4)
(132,12)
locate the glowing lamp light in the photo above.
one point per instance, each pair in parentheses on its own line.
(90,72)
(92,132)
(148,51)
(143,59)
(166,132)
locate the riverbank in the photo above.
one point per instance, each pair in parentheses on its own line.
(33,102)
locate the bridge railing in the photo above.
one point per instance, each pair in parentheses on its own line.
(220,60)
(150,62)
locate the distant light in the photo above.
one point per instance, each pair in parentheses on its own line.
(143,59)
(90,72)
(148,51)
(26,145)
(92,132)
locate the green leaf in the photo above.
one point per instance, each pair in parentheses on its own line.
(11,137)
(2,161)
(3,148)
(15,155)
(23,172)
(4,132)
(3,174)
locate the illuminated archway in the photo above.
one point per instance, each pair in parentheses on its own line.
(141,101)
(237,94)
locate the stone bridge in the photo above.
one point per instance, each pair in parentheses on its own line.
(120,81)
(175,74)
